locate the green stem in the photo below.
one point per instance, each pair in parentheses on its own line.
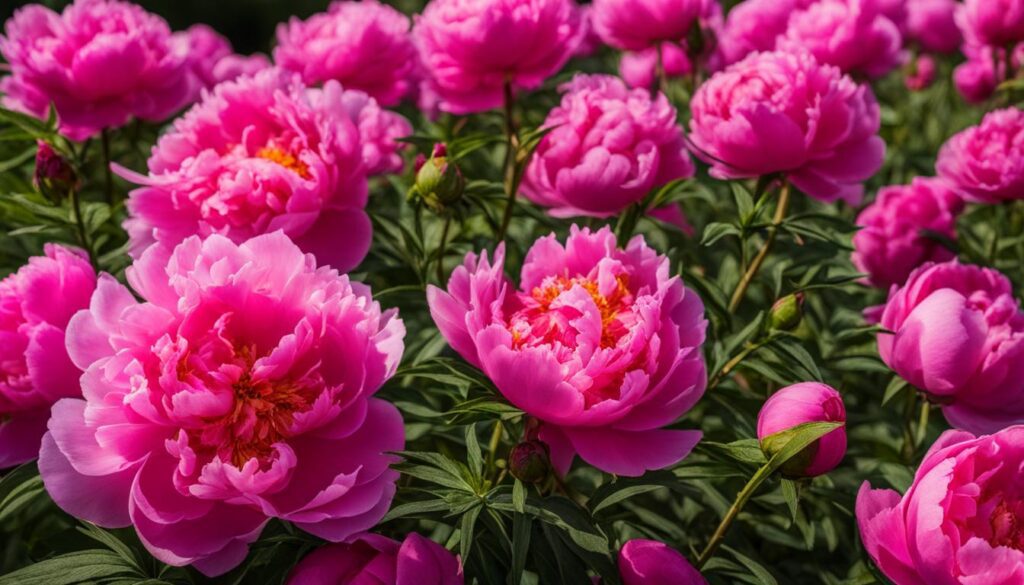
(83,234)
(748,277)
(441,250)
(659,70)
(492,447)
(741,500)
(108,176)
(909,436)
(731,365)
(922,423)
(511,164)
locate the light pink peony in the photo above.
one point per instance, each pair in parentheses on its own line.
(640,68)
(995,23)
(932,24)
(610,146)
(985,163)
(212,59)
(239,390)
(101,62)
(471,48)
(959,523)
(786,113)
(792,406)
(370,559)
(891,244)
(635,25)
(601,345)
(36,304)
(649,562)
(363,45)
(756,25)
(959,337)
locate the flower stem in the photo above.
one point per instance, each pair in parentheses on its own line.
(659,70)
(511,164)
(83,233)
(755,266)
(492,447)
(108,176)
(441,250)
(741,500)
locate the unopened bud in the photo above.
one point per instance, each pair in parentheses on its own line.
(439,182)
(530,461)
(54,176)
(787,312)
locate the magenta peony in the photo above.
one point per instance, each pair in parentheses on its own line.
(370,559)
(363,45)
(36,304)
(212,59)
(610,146)
(379,132)
(985,163)
(959,523)
(640,68)
(932,25)
(590,42)
(472,48)
(995,23)
(959,337)
(786,113)
(649,562)
(100,62)
(755,25)
(891,243)
(239,390)
(798,404)
(921,73)
(600,344)
(635,25)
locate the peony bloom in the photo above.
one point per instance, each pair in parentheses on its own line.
(363,45)
(786,113)
(262,154)
(375,560)
(600,344)
(640,68)
(100,62)
(239,390)
(995,23)
(649,562)
(756,25)
(634,25)
(590,42)
(959,523)
(959,337)
(799,404)
(932,24)
(610,146)
(472,48)
(36,304)
(921,74)
(853,35)
(985,163)
(379,131)
(891,244)
(212,59)
(985,68)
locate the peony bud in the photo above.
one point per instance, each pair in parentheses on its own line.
(439,182)
(787,312)
(793,406)
(54,175)
(530,461)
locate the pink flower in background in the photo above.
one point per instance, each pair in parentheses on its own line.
(262,154)
(363,45)
(471,48)
(995,23)
(959,337)
(639,68)
(932,24)
(590,42)
(634,25)
(787,113)
(36,304)
(921,73)
(985,163)
(100,62)
(240,389)
(673,215)
(372,559)
(213,60)
(379,131)
(649,562)
(792,406)
(977,78)
(891,244)
(600,344)
(755,25)
(960,520)
(610,146)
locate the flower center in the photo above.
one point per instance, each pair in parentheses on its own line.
(542,322)
(285,159)
(1008,525)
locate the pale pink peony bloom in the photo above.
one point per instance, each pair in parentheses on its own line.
(599,344)
(792,406)
(640,68)
(100,62)
(370,559)
(36,304)
(363,45)
(932,24)
(985,163)
(756,25)
(649,562)
(892,242)
(238,390)
(995,23)
(634,25)
(212,59)
(959,523)
(609,147)
(958,335)
(786,113)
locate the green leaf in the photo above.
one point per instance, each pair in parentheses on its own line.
(521,528)
(476,461)
(19,488)
(896,386)
(716,231)
(790,493)
(625,488)
(744,201)
(519,497)
(467,527)
(744,450)
(759,571)
(423,507)
(89,566)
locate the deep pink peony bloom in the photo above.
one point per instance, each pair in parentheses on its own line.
(786,113)
(959,336)
(640,68)
(756,25)
(36,304)
(932,24)
(921,73)
(601,345)
(212,60)
(610,146)
(635,25)
(649,562)
(959,523)
(363,45)
(995,23)
(239,390)
(262,154)
(985,163)
(379,131)
(891,245)
(590,42)
(471,48)
(802,403)
(101,62)
(985,68)
(370,559)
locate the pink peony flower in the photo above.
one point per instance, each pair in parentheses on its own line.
(649,562)
(756,25)
(786,113)
(798,404)
(640,68)
(921,73)
(472,48)
(610,146)
(100,62)
(590,42)
(673,215)
(599,344)
(36,304)
(960,520)
(853,35)
(959,337)
(932,24)
(262,154)
(891,244)
(239,390)
(995,23)
(212,59)
(634,25)
(978,78)
(379,130)
(985,163)
(363,45)
(375,560)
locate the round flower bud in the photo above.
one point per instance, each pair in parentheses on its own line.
(530,461)
(793,406)
(787,312)
(54,176)
(439,182)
